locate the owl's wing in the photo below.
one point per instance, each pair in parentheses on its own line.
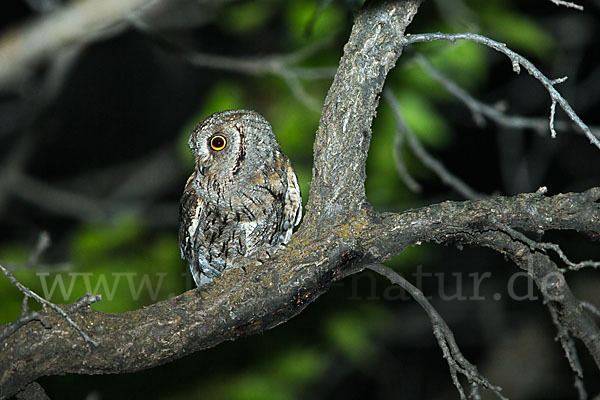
(292,207)
(189,210)
(190,214)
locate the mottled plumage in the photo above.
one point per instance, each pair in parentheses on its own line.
(243,195)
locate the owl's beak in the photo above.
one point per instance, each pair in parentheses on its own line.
(201,169)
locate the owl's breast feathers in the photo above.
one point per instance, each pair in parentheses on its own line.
(218,225)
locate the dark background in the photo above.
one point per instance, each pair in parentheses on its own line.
(99,163)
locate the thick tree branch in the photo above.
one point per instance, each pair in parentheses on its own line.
(241,304)
(345,127)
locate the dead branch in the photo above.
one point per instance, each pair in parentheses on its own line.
(517,61)
(422,154)
(84,301)
(443,334)
(479,109)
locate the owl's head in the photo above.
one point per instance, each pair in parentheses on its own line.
(226,142)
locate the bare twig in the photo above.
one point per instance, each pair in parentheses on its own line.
(406,177)
(277,64)
(40,248)
(570,351)
(517,61)
(445,175)
(280,65)
(533,245)
(572,266)
(457,363)
(19,322)
(479,109)
(563,331)
(84,301)
(301,94)
(568,4)
(591,308)
(552,112)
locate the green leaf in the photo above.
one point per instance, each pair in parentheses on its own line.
(309,20)
(94,242)
(256,387)
(246,17)
(427,124)
(280,379)
(349,334)
(518,31)
(294,125)
(298,366)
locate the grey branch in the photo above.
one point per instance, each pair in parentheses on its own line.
(570,352)
(11,328)
(533,245)
(591,308)
(568,4)
(406,177)
(277,64)
(81,22)
(443,334)
(85,301)
(517,61)
(480,109)
(435,165)
(280,65)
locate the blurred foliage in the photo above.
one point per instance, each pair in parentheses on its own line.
(245,17)
(279,378)
(520,32)
(451,59)
(123,261)
(131,265)
(308,21)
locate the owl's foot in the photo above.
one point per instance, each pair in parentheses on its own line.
(262,254)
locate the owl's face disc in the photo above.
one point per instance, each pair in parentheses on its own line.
(223,142)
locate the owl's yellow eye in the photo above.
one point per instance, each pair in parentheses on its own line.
(218,142)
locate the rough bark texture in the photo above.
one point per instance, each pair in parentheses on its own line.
(340,234)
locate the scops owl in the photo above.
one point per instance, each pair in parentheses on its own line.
(243,195)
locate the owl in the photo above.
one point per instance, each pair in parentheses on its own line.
(242,198)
